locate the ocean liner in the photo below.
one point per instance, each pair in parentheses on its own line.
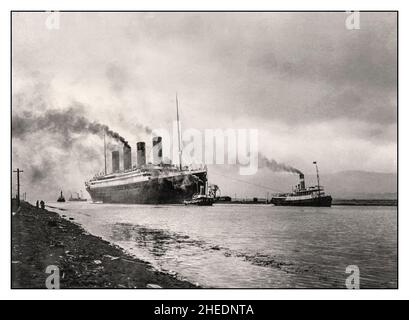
(147,183)
(303,196)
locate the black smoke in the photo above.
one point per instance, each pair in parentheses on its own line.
(68,123)
(264,162)
(58,149)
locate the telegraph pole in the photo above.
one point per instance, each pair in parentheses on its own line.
(18,171)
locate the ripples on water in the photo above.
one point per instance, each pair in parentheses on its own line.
(253,246)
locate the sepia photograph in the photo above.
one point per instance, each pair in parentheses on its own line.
(204,150)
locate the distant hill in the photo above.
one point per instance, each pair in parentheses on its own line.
(360,184)
(342,185)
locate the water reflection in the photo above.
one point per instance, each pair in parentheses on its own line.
(165,245)
(254,246)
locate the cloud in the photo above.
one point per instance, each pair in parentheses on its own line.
(117,76)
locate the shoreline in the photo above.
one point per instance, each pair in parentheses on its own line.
(335,202)
(366,202)
(42,238)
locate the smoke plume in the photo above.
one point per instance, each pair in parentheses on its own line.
(58,149)
(66,122)
(143,128)
(264,162)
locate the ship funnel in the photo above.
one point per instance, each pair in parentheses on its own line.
(140,154)
(127,158)
(157,150)
(115,161)
(302,182)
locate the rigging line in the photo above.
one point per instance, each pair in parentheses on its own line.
(246,182)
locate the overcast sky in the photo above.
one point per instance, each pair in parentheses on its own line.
(314,89)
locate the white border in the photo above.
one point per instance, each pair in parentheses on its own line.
(6,293)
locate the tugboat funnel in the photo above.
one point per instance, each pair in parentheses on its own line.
(302,181)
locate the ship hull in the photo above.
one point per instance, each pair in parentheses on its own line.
(168,190)
(204,202)
(324,201)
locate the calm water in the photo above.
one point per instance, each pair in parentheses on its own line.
(253,246)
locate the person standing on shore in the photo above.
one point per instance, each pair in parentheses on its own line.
(37,205)
(42,204)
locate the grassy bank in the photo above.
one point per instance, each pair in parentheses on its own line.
(41,238)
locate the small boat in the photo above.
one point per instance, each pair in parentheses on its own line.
(61,198)
(303,196)
(201,199)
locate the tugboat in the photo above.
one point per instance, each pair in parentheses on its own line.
(78,198)
(200,199)
(61,198)
(304,197)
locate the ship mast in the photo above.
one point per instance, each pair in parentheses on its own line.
(318,177)
(177,120)
(105,155)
